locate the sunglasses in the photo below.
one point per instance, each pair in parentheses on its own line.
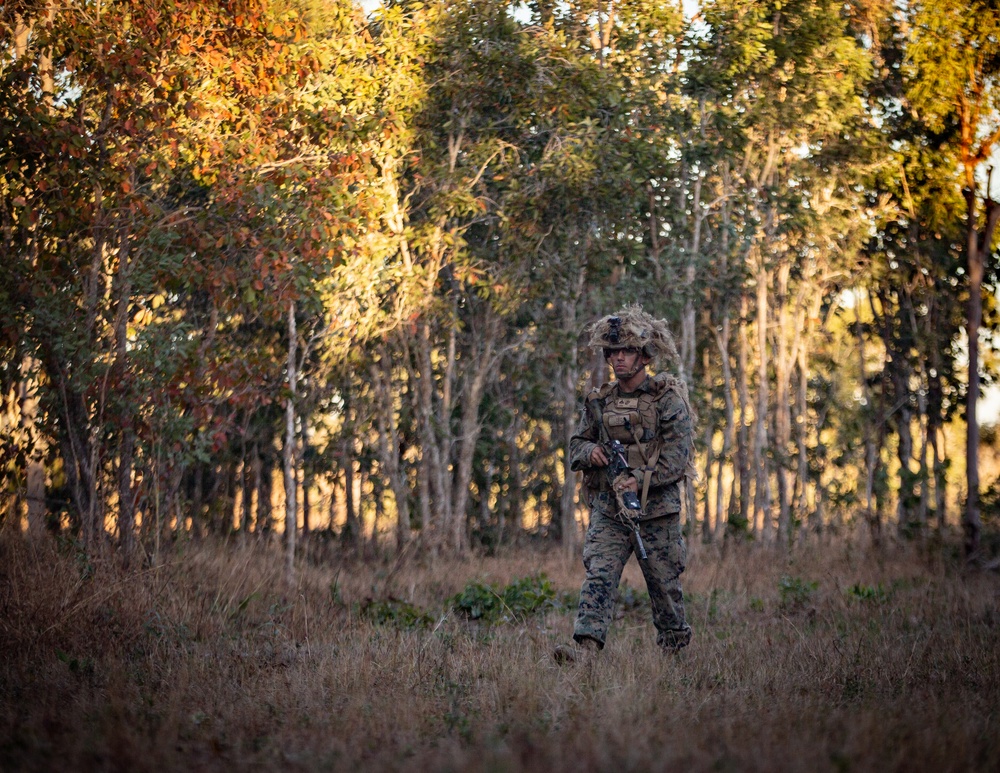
(627,349)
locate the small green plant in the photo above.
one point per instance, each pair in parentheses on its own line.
(396,612)
(241,607)
(567,601)
(476,601)
(795,592)
(76,665)
(521,598)
(876,594)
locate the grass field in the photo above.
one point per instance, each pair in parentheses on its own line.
(827,658)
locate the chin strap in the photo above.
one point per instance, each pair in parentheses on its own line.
(638,366)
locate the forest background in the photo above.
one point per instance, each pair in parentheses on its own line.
(269,263)
(293,300)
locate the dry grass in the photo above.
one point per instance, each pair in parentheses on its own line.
(823,660)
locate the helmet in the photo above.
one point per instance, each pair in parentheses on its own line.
(631,327)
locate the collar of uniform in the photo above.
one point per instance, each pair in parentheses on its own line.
(645,386)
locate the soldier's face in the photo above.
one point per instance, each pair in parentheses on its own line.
(624,361)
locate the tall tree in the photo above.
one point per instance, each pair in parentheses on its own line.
(953,52)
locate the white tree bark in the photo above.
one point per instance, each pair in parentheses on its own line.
(291,479)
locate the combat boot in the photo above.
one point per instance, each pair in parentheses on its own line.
(581,652)
(675,640)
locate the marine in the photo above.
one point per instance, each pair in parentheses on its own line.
(650,416)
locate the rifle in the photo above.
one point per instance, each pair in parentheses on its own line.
(629,499)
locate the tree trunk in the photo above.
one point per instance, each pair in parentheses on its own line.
(474,382)
(122,290)
(567,501)
(977,246)
(940,480)
(306,503)
(389,445)
(688,332)
(871,452)
(352,528)
(762,487)
(416,393)
(722,511)
(971,522)
(743,436)
(571,376)
(782,403)
(923,474)
(515,499)
(265,486)
(723,332)
(289,451)
(434,490)
(708,523)
(802,396)
(36,448)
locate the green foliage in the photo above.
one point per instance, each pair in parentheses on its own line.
(242,605)
(795,592)
(396,612)
(448,192)
(874,594)
(519,599)
(81,666)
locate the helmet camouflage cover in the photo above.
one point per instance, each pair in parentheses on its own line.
(634,328)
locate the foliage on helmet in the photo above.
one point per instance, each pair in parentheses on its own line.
(631,327)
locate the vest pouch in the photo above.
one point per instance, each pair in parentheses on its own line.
(635,459)
(621,419)
(648,419)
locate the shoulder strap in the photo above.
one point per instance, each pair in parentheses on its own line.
(604,390)
(594,400)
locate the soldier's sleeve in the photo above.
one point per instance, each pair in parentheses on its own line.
(676,440)
(583,441)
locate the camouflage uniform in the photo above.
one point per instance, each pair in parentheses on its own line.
(610,539)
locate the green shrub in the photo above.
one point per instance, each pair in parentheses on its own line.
(396,612)
(795,592)
(875,593)
(521,598)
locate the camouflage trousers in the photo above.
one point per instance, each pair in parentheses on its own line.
(608,545)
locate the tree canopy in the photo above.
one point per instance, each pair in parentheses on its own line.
(238,228)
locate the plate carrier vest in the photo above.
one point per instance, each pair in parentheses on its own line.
(633,421)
